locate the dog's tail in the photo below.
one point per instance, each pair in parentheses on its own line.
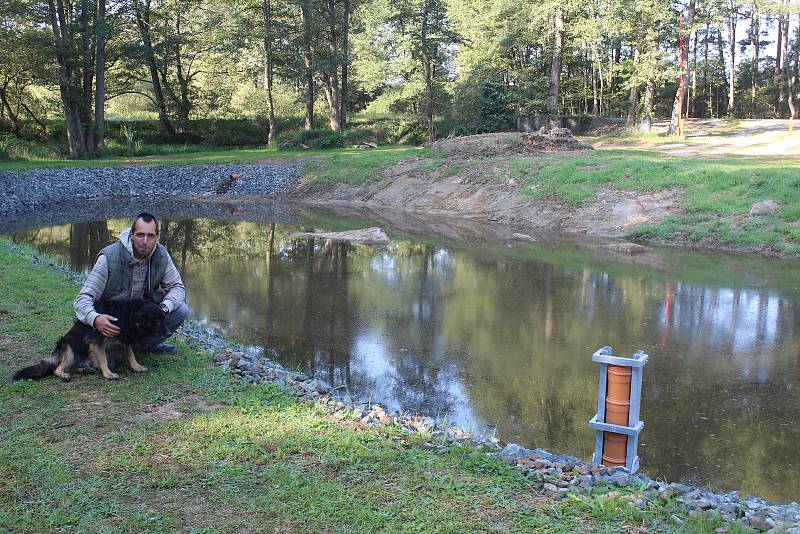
(42,369)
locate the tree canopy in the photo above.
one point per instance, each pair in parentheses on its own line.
(446,66)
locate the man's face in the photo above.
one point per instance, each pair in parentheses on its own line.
(144,238)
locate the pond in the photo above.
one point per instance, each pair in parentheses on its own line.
(451,320)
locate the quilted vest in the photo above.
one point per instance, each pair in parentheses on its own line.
(120,273)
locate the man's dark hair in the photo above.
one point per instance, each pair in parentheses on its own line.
(146,217)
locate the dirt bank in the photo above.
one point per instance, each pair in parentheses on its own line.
(482,177)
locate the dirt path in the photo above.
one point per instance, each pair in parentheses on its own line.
(720,137)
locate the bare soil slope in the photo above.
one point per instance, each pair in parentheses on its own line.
(479,178)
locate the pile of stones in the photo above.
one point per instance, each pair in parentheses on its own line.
(553,475)
(35,188)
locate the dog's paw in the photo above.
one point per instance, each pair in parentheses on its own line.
(111,376)
(140,369)
(64,377)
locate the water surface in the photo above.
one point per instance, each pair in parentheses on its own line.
(500,334)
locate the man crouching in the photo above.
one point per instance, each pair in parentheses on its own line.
(134,267)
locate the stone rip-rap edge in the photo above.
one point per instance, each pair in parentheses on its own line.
(31,189)
(554,475)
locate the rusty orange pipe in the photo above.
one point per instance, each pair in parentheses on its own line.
(618,405)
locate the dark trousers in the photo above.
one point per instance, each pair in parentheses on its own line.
(173,321)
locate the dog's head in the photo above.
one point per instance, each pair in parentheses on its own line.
(147,319)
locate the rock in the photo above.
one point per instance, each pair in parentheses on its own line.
(550,488)
(523,237)
(560,132)
(512,449)
(626,248)
(620,479)
(758,521)
(367,236)
(677,520)
(703,504)
(765,207)
(672,490)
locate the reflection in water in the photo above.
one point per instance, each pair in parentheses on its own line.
(491,339)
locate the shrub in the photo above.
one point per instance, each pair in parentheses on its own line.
(226,132)
(409,132)
(366,134)
(15,149)
(316,138)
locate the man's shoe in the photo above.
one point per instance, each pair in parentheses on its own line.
(162,348)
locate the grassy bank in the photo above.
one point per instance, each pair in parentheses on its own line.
(183,447)
(189,155)
(715,193)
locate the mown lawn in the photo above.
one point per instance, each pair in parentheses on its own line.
(185,448)
(190,156)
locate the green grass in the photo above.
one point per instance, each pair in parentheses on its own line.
(715,193)
(184,448)
(355,166)
(189,154)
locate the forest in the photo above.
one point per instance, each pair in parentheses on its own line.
(78,69)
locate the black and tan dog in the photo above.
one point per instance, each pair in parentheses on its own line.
(83,347)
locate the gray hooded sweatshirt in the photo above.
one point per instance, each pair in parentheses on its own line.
(92,290)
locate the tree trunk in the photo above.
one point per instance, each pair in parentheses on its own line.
(684,76)
(633,99)
(776,72)
(783,62)
(731,22)
(345,60)
(692,98)
(305,13)
(143,22)
(555,67)
(723,69)
(426,64)
(706,78)
(755,38)
(650,91)
(792,80)
(332,78)
(267,8)
(88,75)
(100,77)
(595,94)
(16,125)
(182,102)
(66,81)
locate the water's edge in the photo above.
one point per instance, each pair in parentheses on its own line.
(554,475)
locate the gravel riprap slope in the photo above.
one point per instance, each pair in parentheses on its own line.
(35,188)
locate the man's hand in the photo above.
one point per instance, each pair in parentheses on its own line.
(105,325)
